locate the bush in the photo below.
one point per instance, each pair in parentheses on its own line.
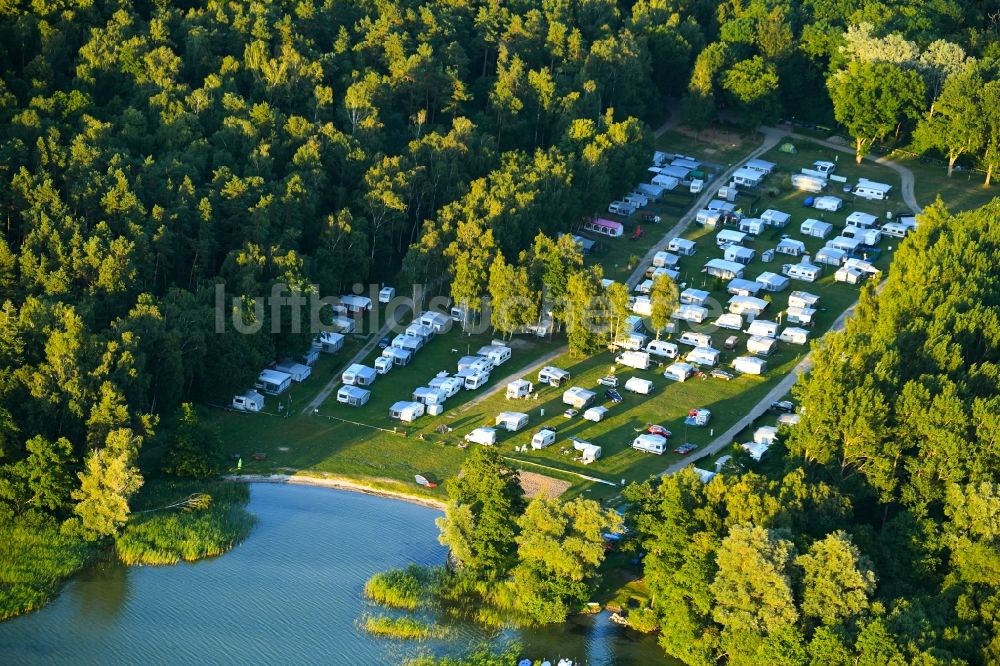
(161,535)
(400,588)
(643,620)
(406,628)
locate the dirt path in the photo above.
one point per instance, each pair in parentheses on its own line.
(772,137)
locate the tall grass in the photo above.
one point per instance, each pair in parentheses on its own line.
(407,588)
(165,536)
(405,628)
(35,559)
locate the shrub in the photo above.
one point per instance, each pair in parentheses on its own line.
(406,628)
(399,588)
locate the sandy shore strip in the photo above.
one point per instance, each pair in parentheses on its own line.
(336,483)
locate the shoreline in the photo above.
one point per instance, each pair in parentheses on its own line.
(336,483)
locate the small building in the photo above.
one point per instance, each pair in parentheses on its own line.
(726,270)
(694,296)
(760,165)
(862,220)
(830,256)
(604,227)
(772,282)
(665,260)
(359,375)
(731,321)
(578,398)
(682,246)
(747,305)
(709,218)
(511,421)
(596,414)
(519,388)
(795,335)
(353,396)
(251,401)
(804,271)
(679,371)
(828,203)
(397,355)
(428,395)
(707,356)
(406,411)
(869,189)
(299,372)
(484,436)
(695,314)
(800,315)
(775,218)
(728,237)
(750,365)
(791,246)
(758,344)
(741,287)
(330,342)
(752,225)
(763,328)
(639,385)
(273,382)
(816,228)
(739,255)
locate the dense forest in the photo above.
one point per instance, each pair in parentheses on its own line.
(151,151)
(874,541)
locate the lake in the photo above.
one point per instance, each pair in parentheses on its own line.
(290,594)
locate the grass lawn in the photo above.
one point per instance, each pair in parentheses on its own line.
(719,146)
(963,191)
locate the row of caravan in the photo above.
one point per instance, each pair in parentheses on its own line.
(278,379)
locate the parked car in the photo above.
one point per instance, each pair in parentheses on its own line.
(613,395)
(783,406)
(570,413)
(685,449)
(721,374)
(658,430)
(384,343)
(610,380)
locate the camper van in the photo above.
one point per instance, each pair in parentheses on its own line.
(634,359)
(356,304)
(679,371)
(828,203)
(297,371)
(804,272)
(578,398)
(429,396)
(636,199)
(498,354)
(695,339)
(869,189)
(709,218)
(519,388)
(739,255)
(862,220)
(761,346)
(895,229)
(552,376)
(726,270)
(353,396)
(511,421)
(543,438)
(386,294)
(251,401)
(752,225)
(476,380)
(330,342)
(406,411)
(695,314)
(383,364)
(397,355)
(694,296)
(589,453)
(808,183)
(622,208)
(731,321)
(762,328)
(359,375)
(772,281)
(816,228)
(745,177)
(661,348)
(747,305)
(794,335)
(750,365)
(650,444)
(707,356)
(665,259)
(775,218)
(595,414)
(728,237)
(639,385)
(682,246)
(869,237)
(485,436)
(273,382)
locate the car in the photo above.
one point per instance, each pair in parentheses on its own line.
(658,430)
(685,449)
(384,343)
(610,380)
(783,406)
(613,395)
(721,374)
(570,413)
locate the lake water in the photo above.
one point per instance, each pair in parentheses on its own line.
(290,594)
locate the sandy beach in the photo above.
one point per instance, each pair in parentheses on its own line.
(338,484)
